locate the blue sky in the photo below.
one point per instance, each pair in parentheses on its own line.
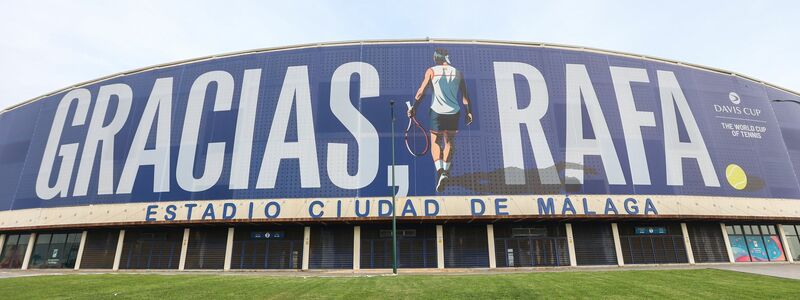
(49,45)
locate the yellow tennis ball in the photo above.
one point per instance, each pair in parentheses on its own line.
(736,176)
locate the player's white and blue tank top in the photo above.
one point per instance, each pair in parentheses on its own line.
(446,82)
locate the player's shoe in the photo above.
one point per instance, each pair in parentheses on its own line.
(440,183)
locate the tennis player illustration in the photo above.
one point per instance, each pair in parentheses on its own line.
(446,82)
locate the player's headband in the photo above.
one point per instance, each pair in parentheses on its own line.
(441,57)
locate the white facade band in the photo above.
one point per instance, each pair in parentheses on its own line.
(448,206)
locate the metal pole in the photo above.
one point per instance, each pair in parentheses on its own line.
(394,206)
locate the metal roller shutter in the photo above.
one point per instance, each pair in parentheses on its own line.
(708,245)
(331,247)
(99,250)
(465,246)
(252,250)
(594,244)
(652,248)
(206,248)
(416,246)
(530,245)
(152,249)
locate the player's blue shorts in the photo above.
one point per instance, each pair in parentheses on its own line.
(441,122)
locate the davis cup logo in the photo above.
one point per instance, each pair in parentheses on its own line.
(734,97)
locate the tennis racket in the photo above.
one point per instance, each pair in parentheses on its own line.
(417,140)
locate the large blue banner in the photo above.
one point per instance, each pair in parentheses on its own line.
(316,123)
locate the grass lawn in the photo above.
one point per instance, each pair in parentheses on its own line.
(673,284)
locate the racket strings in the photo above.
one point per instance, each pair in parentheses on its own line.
(415,128)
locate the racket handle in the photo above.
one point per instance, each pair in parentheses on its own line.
(408,104)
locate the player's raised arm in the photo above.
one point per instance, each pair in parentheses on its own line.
(465,98)
(426,80)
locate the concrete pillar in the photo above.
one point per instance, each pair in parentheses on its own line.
(571,246)
(185,248)
(356,247)
(786,250)
(2,242)
(29,251)
(687,243)
(80,250)
(490,238)
(617,244)
(118,254)
(439,247)
(306,246)
(731,259)
(228,250)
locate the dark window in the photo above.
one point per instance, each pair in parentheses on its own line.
(793,239)
(13,251)
(738,229)
(729,229)
(55,250)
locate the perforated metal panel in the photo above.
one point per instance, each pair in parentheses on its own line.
(594,244)
(331,247)
(100,248)
(465,246)
(708,244)
(253,252)
(652,248)
(152,248)
(206,248)
(416,246)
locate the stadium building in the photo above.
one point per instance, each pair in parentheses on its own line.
(503,154)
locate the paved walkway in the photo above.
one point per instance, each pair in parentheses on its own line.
(777,270)
(784,270)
